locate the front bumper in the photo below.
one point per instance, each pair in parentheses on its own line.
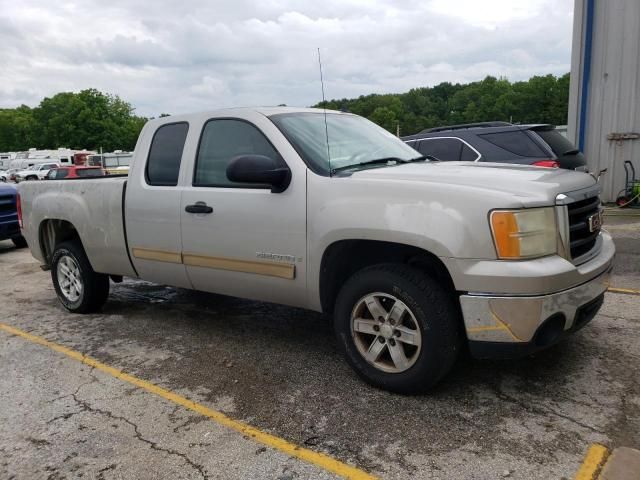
(499,325)
(9,229)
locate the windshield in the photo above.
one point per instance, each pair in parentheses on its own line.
(352,140)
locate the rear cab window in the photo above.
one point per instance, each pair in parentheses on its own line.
(165,154)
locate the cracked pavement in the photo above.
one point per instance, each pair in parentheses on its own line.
(277,368)
(61,419)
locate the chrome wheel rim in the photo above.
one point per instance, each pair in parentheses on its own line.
(69,278)
(385,332)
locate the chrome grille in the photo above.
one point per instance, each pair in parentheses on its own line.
(581,218)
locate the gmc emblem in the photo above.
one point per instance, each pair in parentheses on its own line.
(595,221)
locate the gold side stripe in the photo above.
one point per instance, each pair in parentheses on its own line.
(280,270)
(159,255)
(485,328)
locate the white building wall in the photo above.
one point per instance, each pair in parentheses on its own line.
(613,104)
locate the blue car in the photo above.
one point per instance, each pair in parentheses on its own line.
(9,228)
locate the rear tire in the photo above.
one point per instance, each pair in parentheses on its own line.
(19,242)
(415,339)
(79,288)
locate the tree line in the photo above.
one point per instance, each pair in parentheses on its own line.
(541,99)
(93,120)
(87,119)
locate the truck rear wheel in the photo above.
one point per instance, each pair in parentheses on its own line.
(79,288)
(398,328)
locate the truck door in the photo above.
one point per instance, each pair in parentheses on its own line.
(152,207)
(240,239)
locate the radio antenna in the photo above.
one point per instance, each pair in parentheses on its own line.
(324,105)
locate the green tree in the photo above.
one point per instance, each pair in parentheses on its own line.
(541,99)
(385,117)
(16,128)
(87,119)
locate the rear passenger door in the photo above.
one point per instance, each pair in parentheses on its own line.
(152,210)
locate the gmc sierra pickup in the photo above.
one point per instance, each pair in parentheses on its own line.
(415,259)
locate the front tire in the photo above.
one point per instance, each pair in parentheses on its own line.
(79,288)
(398,328)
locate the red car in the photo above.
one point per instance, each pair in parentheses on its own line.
(75,171)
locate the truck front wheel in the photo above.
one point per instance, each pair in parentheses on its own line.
(79,288)
(398,328)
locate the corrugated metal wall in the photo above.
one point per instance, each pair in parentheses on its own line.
(613,98)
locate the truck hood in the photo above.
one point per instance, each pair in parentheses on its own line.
(535,184)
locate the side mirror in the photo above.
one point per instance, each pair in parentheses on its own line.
(259,169)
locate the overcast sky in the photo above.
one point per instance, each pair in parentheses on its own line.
(191,55)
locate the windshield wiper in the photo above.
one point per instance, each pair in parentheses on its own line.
(377,161)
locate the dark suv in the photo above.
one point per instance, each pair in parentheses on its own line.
(501,142)
(9,225)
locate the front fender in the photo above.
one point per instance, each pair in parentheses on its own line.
(408,213)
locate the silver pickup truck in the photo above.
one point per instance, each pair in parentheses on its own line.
(415,259)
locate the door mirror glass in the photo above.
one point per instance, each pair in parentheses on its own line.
(259,169)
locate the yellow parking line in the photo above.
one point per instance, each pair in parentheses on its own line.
(627,291)
(321,460)
(593,462)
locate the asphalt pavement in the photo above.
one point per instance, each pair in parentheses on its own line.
(278,369)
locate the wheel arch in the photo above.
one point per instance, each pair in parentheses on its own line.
(343,258)
(51,232)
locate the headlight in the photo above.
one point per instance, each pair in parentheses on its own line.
(528,233)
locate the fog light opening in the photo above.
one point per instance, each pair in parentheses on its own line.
(550,331)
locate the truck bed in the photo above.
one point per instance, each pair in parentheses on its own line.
(93,206)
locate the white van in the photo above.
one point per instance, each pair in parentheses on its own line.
(62,156)
(5,159)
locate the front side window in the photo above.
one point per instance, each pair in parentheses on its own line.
(59,173)
(165,154)
(221,141)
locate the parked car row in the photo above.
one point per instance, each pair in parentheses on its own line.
(52,171)
(36,164)
(35,172)
(538,144)
(76,171)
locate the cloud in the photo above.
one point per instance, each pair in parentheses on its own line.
(169,56)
